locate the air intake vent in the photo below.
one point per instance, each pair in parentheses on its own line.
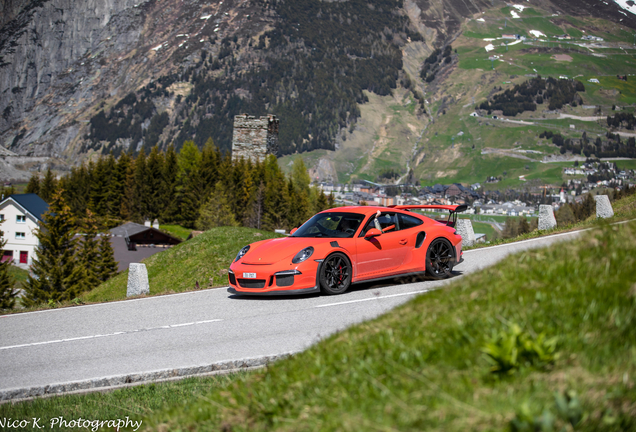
(252,283)
(232,279)
(421,236)
(285,281)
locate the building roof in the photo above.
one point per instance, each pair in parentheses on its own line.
(129,229)
(32,203)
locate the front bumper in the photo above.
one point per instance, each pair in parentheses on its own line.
(277,293)
(274,279)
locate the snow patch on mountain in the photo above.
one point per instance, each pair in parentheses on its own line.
(628,5)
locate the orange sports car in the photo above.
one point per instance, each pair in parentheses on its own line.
(346,245)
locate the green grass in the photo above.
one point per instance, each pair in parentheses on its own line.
(203,259)
(484,228)
(176,230)
(135,402)
(18,275)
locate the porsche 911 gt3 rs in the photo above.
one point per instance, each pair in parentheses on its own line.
(346,245)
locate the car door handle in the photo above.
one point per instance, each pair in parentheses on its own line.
(403,241)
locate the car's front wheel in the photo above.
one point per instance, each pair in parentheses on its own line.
(439,259)
(335,274)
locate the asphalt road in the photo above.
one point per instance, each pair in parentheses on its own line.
(196,328)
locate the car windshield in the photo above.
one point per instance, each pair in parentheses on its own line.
(337,225)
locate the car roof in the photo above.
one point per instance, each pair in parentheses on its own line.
(369,210)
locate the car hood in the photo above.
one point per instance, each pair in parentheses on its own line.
(275,250)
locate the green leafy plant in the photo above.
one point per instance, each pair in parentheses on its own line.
(509,349)
(569,415)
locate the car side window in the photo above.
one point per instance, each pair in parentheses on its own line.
(388,223)
(408,221)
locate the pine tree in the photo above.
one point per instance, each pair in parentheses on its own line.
(170,198)
(7,192)
(7,293)
(139,188)
(300,175)
(128,202)
(511,228)
(107,264)
(57,272)
(154,183)
(189,190)
(48,186)
(242,195)
(101,176)
(210,158)
(90,253)
(564,216)
(331,200)
(276,203)
(216,211)
(191,199)
(589,207)
(113,201)
(322,203)
(254,217)
(77,187)
(524,226)
(34,184)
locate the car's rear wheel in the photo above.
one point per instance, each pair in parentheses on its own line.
(439,259)
(335,274)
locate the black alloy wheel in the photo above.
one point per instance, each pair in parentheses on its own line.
(335,274)
(439,259)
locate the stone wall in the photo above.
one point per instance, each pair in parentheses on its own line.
(254,138)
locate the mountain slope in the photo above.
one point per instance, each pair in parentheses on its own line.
(80,78)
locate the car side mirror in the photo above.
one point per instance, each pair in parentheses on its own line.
(372,233)
(293,231)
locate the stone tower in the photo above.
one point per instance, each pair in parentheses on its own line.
(254,138)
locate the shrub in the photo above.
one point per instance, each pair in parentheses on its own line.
(510,349)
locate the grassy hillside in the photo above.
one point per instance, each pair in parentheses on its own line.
(204,259)
(449,145)
(383,139)
(543,341)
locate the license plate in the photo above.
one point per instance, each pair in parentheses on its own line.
(249,275)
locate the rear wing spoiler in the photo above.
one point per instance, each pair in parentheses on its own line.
(453,209)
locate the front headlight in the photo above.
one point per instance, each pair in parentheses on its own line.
(303,255)
(241,253)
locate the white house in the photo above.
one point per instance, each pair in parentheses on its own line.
(21,215)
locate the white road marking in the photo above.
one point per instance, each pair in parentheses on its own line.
(110,303)
(108,335)
(373,298)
